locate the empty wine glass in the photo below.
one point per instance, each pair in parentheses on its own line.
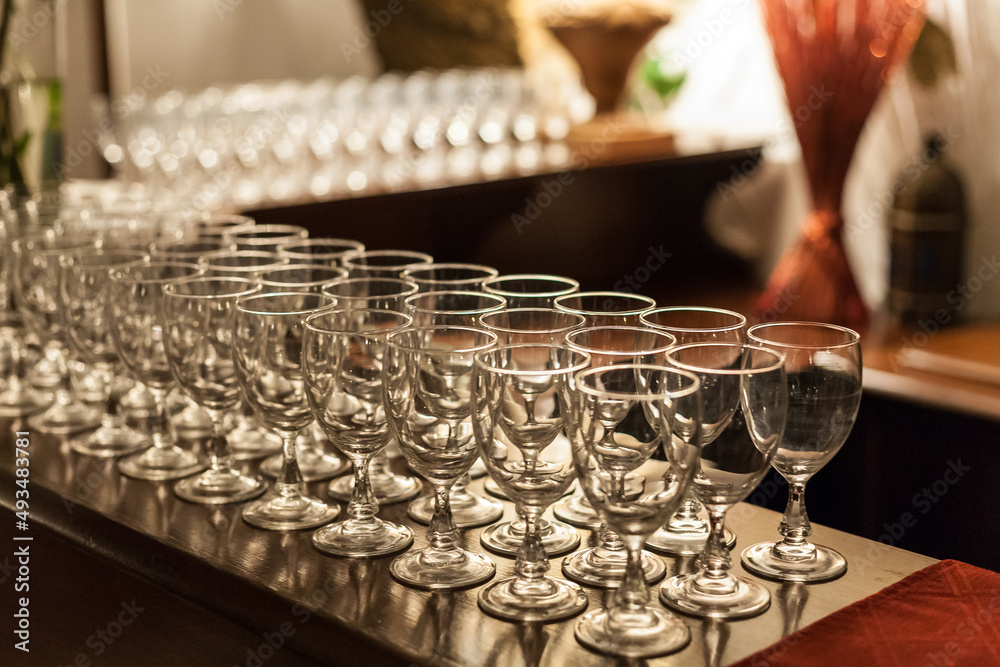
(686,532)
(241,263)
(300,277)
(605,308)
(343,367)
(267,348)
(325,251)
(266,238)
(36,287)
(382,263)
(455,308)
(135,295)
(530,290)
(83,292)
(198,315)
(386,294)
(440,276)
(517,391)
(823,363)
(604,564)
(625,413)
(745,403)
(429,408)
(520,326)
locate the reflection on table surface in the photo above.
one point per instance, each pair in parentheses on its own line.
(271,577)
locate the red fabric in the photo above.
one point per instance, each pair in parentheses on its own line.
(946,614)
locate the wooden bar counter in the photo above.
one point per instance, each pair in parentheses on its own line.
(125,573)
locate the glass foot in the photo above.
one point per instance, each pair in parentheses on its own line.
(506,538)
(65,418)
(110,441)
(379,539)
(442,570)
(823,565)
(735,597)
(314,464)
(217,487)
(252,442)
(190,421)
(19,400)
(652,632)
(279,513)
(576,511)
(587,568)
(685,544)
(492,488)
(545,600)
(159,463)
(139,402)
(389,489)
(467,509)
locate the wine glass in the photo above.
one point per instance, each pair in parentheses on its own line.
(343,368)
(314,463)
(604,564)
(686,532)
(745,403)
(517,390)
(530,290)
(249,439)
(325,251)
(623,414)
(382,263)
(198,314)
(521,326)
(455,308)
(429,408)
(605,308)
(266,238)
(135,295)
(83,291)
(823,363)
(36,287)
(385,294)
(441,276)
(267,349)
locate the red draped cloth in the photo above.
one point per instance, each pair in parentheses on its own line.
(946,614)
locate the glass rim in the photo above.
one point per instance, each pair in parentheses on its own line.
(419,257)
(311,321)
(493,327)
(289,231)
(170,287)
(241,303)
(349,245)
(408,302)
(480,361)
(298,267)
(571,284)
(412,287)
(431,350)
(633,396)
(696,368)
(741,319)
(434,266)
(121,275)
(621,353)
(81,260)
(651,303)
(852,336)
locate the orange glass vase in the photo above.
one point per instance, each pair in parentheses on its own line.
(834,57)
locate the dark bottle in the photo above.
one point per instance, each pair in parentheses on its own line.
(927,230)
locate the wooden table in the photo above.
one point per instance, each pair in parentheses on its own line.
(231,587)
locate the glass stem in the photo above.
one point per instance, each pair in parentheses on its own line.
(112,416)
(64,391)
(220,458)
(363,505)
(163,435)
(532,563)
(289,484)
(795,525)
(442,535)
(715,560)
(633,594)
